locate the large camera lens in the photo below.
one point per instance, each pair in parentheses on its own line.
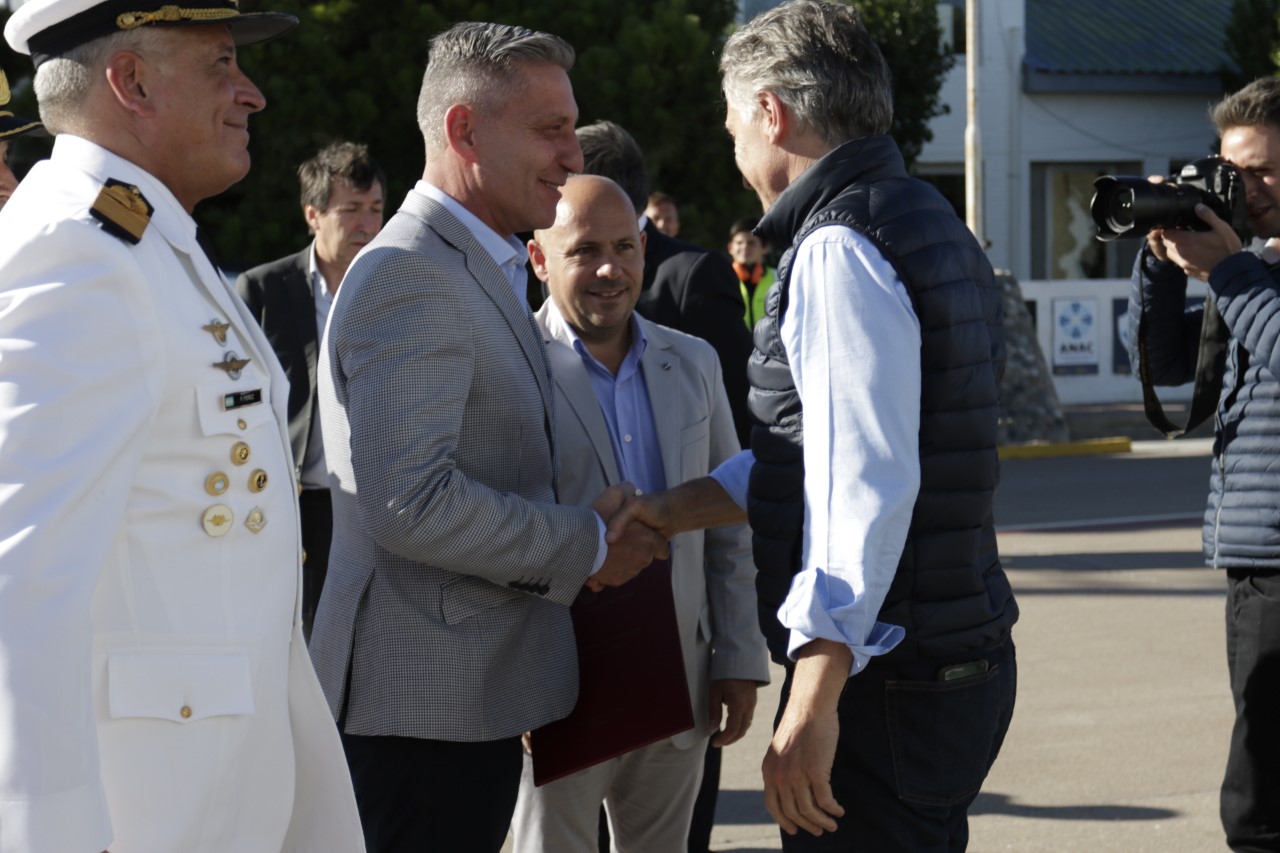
(1130,207)
(1119,209)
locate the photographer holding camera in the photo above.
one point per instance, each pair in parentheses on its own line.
(1242,521)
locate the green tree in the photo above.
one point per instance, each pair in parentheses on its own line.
(911,41)
(353,68)
(1250,40)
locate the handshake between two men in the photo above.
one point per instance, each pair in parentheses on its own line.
(640,526)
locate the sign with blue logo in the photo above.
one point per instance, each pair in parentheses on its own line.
(1075,336)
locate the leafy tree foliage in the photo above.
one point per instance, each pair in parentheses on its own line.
(1251,40)
(353,68)
(910,37)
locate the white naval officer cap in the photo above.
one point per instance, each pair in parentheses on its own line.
(49,28)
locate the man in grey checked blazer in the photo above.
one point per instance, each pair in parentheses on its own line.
(443,631)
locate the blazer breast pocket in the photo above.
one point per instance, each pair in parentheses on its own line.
(694,450)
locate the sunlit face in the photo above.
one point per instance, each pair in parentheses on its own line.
(745,248)
(526,151)
(8,182)
(203,102)
(351,219)
(665,217)
(592,259)
(1255,151)
(761,168)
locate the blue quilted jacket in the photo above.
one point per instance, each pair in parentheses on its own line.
(1242,520)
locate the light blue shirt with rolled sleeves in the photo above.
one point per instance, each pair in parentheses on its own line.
(853,343)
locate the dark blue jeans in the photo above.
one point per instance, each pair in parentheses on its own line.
(913,753)
(1250,802)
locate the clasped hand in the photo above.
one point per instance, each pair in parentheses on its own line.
(631,538)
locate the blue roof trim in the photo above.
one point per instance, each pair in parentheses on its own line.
(1137,41)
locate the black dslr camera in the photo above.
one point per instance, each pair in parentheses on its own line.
(1130,207)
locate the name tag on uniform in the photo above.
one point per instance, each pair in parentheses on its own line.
(240,399)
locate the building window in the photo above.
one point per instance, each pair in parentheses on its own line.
(948,178)
(951,22)
(1063,237)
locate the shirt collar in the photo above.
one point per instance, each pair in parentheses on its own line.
(504,250)
(560,327)
(319,287)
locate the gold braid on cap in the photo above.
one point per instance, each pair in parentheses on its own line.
(172,14)
(4,92)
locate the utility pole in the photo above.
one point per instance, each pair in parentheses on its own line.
(972,135)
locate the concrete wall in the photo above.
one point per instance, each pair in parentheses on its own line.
(1084,367)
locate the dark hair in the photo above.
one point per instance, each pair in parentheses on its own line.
(338,161)
(1255,104)
(661,198)
(609,151)
(748,225)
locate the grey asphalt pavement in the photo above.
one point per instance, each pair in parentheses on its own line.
(1119,737)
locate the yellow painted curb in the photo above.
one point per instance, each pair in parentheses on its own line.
(1045,449)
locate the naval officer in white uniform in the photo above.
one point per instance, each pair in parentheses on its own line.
(155,692)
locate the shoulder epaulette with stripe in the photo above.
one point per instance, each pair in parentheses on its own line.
(122,210)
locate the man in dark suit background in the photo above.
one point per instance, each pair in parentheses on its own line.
(685,286)
(342,199)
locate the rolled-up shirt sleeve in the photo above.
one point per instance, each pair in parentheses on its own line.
(853,342)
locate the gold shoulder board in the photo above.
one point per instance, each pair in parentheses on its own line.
(122,211)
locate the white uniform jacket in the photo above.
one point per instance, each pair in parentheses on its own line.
(155,693)
(711,571)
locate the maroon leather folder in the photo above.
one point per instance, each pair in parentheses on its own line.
(632,689)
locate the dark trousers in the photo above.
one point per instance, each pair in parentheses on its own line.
(1250,801)
(913,753)
(704,807)
(315,509)
(434,796)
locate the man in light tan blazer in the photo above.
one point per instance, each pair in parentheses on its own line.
(642,403)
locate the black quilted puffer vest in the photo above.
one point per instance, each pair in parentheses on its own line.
(950,592)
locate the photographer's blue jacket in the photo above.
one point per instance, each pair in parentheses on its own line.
(1242,520)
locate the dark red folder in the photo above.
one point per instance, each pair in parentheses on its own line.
(632,689)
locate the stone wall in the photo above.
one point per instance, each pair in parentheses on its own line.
(1029,406)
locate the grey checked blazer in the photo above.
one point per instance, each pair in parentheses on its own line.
(712,575)
(446,606)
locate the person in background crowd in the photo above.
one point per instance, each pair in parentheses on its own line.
(747,252)
(664,213)
(11,127)
(342,197)
(155,691)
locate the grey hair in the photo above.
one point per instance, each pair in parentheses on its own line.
(819,60)
(477,64)
(63,83)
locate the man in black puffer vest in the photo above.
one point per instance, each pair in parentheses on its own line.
(875,391)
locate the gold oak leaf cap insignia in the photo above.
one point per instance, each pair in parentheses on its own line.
(122,211)
(46,29)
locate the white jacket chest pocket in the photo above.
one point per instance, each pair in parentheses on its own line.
(179,686)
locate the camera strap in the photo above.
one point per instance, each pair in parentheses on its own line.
(1210,363)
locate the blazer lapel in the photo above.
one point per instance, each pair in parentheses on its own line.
(492,281)
(302,308)
(570,376)
(662,380)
